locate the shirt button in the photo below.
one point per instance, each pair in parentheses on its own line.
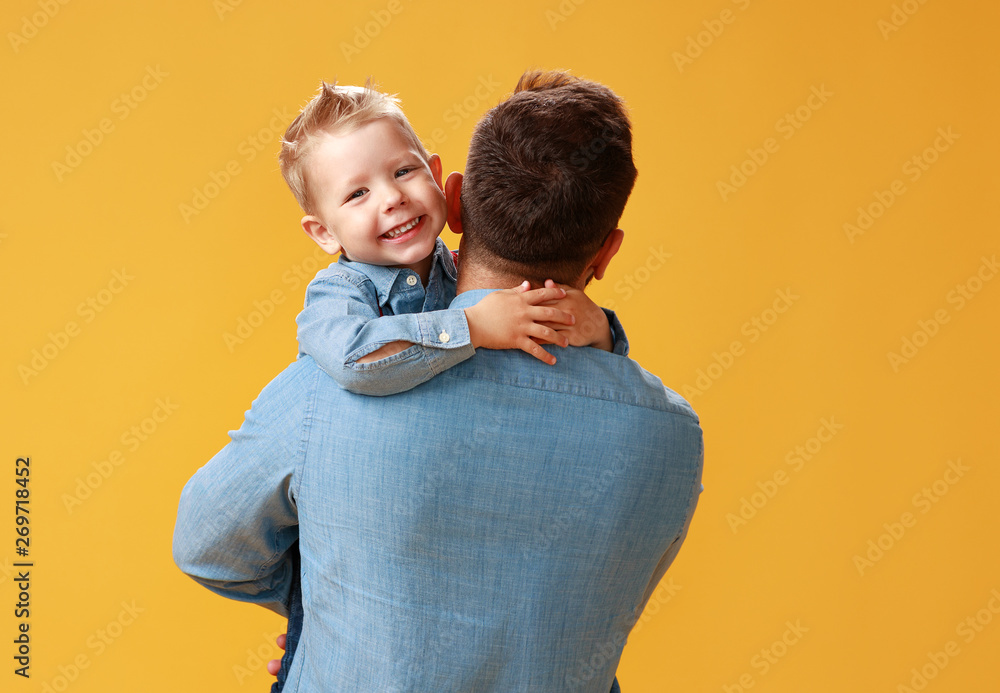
(444,337)
(411,280)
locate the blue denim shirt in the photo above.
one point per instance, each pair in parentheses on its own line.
(353,308)
(497,528)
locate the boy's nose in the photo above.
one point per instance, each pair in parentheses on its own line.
(395,197)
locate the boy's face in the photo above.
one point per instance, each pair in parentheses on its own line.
(376,198)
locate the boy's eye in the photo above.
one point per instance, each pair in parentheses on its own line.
(356,194)
(403,171)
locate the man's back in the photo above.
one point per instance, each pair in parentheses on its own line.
(498,528)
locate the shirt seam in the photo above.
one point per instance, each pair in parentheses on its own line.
(306,435)
(600,396)
(296,477)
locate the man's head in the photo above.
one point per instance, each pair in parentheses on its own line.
(547,178)
(366,183)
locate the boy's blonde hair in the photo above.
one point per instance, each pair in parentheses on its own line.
(335,109)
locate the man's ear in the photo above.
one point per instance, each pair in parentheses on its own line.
(610,248)
(435,165)
(315,229)
(453,198)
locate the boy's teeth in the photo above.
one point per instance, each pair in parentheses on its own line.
(401,229)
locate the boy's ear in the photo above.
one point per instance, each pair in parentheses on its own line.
(453,198)
(315,229)
(435,163)
(611,246)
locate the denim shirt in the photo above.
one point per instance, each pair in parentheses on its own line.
(353,308)
(497,528)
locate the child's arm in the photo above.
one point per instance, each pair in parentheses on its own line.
(341,329)
(508,319)
(517,319)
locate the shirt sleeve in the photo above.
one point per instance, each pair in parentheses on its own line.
(697,488)
(341,323)
(237,518)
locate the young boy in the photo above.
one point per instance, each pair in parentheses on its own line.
(377,321)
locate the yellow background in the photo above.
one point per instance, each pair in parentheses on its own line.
(214,75)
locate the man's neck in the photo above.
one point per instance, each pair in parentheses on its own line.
(473,276)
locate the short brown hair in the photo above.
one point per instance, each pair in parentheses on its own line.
(335,109)
(547,178)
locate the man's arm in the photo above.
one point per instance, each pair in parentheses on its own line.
(675,545)
(237,516)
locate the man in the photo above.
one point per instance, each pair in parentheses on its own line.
(502,526)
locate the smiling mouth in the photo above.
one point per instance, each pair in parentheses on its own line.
(400,230)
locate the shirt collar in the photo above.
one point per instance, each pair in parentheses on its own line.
(384,278)
(444,261)
(470,298)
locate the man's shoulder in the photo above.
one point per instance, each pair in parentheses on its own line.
(291,394)
(579,372)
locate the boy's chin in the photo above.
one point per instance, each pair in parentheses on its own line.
(415,251)
(418,256)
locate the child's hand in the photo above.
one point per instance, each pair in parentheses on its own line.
(514,319)
(591,327)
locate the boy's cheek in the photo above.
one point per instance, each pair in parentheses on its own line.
(437,196)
